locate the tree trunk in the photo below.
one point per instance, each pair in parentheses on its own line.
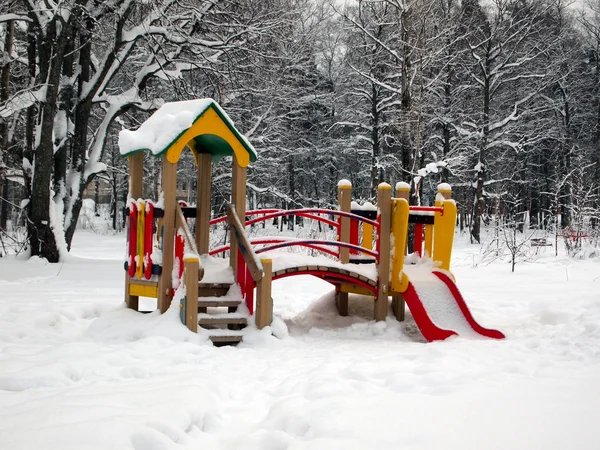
(4,141)
(376,151)
(478,203)
(40,232)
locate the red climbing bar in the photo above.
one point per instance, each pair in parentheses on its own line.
(433,209)
(354,235)
(418,240)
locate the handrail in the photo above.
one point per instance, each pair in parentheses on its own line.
(311,212)
(190,243)
(431,209)
(253,212)
(252,262)
(307,242)
(260,241)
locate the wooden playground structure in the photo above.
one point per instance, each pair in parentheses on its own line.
(164,254)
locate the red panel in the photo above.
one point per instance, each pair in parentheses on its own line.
(354,236)
(249,291)
(132,238)
(418,240)
(179,249)
(149,234)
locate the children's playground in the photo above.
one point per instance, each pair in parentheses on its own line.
(223,287)
(331,327)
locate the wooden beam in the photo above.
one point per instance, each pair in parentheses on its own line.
(136,174)
(238,198)
(245,248)
(191,293)
(165,283)
(203,202)
(344,202)
(264,302)
(384,200)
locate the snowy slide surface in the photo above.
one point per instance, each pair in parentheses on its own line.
(439,309)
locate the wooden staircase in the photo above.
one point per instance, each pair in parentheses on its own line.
(218,313)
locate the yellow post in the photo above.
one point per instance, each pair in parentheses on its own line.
(400,284)
(400,212)
(384,200)
(428,241)
(367,236)
(345,204)
(443,227)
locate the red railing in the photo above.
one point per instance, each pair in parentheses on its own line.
(310,213)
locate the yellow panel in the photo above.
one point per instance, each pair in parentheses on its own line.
(209,123)
(428,240)
(367,241)
(443,233)
(355,289)
(400,288)
(143,290)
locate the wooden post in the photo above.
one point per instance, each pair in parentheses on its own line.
(345,203)
(165,282)
(204,182)
(384,200)
(238,198)
(191,293)
(264,302)
(136,174)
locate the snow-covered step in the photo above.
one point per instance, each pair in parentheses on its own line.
(213,289)
(214,302)
(221,319)
(226,339)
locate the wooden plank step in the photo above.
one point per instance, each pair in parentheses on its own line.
(222,321)
(213,289)
(202,303)
(226,339)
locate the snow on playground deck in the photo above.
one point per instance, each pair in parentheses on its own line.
(78,371)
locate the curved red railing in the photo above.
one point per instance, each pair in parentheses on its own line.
(260,241)
(253,212)
(318,242)
(434,209)
(309,213)
(330,277)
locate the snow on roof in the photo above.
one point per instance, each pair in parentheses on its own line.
(172,119)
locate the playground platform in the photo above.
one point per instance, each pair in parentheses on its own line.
(225,287)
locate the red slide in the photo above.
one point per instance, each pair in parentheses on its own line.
(440,310)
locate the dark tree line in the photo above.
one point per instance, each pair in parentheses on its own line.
(499,98)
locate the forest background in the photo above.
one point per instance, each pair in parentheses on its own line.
(500,98)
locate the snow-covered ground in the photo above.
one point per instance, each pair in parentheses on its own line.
(78,371)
